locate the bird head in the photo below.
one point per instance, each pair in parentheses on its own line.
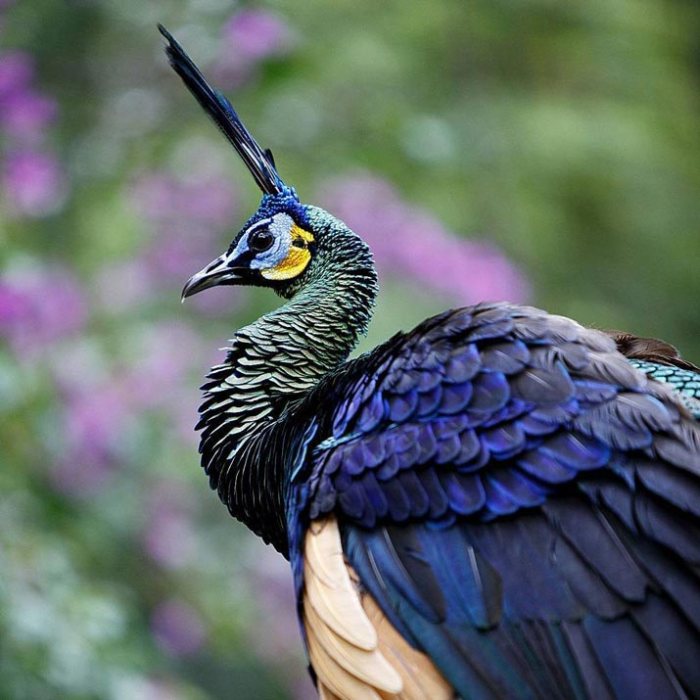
(273,249)
(277,246)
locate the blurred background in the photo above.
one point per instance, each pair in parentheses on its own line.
(533,151)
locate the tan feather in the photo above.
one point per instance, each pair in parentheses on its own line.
(421,680)
(329,589)
(325,694)
(354,650)
(370,667)
(333,676)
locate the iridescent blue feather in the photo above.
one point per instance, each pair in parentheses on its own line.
(510,491)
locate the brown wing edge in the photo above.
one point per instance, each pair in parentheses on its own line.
(636,347)
(355,651)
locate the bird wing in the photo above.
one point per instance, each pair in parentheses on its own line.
(520,504)
(355,651)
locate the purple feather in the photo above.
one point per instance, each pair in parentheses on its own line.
(545,467)
(403,406)
(448,449)
(491,392)
(372,414)
(464,365)
(505,357)
(577,451)
(455,397)
(429,402)
(470,447)
(416,494)
(505,440)
(465,492)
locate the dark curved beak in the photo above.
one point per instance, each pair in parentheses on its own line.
(216,272)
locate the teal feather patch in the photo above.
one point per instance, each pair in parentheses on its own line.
(684,382)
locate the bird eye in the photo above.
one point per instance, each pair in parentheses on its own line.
(260,241)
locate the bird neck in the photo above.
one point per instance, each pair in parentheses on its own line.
(272,364)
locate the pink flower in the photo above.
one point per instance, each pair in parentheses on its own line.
(96,422)
(16,71)
(38,305)
(250,37)
(34,183)
(168,201)
(276,636)
(186,217)
(177,627)
(256,34)
(411,244)
(164,354)
(123,285)
(26,113)
(79,476)
(169,537)
(14,307)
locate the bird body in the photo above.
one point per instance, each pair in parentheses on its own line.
(495,504)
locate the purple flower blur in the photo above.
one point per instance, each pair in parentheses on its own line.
(186,217)
(16,72)
(256,34)
(412,244)
(169,537)
(250,37)
(103,406)
(122,285)
(276,636)
(38,305)
(164,200)
(33,182)
(177,627)
(24,114)
(95,423)
(167,353)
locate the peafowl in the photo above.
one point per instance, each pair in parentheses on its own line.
(496,504)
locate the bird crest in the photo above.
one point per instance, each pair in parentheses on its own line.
(274,245)
(259,162)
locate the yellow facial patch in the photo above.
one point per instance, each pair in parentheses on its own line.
(297,259)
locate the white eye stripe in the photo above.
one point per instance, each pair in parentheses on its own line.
(263,223)
(280,226)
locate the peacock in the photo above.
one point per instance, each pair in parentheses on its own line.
(496,504)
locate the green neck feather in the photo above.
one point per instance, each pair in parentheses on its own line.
(273,363)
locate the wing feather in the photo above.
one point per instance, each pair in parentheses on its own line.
(521,508)
(329,590)
(364,657)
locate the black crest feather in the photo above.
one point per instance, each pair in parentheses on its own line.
(258,161)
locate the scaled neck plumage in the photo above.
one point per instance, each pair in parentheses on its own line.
(272,364)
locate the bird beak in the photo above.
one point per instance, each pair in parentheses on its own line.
(216,272)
